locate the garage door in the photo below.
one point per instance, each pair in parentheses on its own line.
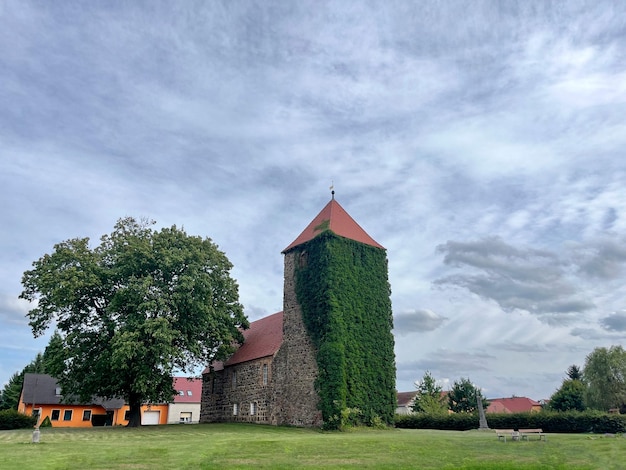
(150,418)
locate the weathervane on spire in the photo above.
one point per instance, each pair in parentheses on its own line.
(332,189)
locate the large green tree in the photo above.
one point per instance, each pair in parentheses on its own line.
(462,398)
(429,398)
(130,311)
(605,377)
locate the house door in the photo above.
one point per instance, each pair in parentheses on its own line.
(150,418)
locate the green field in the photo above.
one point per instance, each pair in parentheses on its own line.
(244,446)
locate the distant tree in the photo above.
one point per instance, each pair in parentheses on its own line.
(133,309)
(429,397)
(10,395)
(574,372)
(462,397)
(570,396)
(605,377)
(54,356)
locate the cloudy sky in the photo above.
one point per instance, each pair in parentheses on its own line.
(481,142)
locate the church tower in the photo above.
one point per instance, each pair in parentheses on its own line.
(337,351)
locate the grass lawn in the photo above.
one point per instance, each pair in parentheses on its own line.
(211,446)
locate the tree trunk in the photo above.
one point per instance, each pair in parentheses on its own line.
(134,414)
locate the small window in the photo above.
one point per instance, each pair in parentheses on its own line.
(189,393)
(57,391)
(87,415)
(252,409)
(55,415)
(303,259)
(185,417)
(264,374)
(67,415)
(127,415)
(234,378)
(235,409)
(181,393)
(35,413)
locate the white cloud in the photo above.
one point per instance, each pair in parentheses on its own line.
(493,130)
(417,321)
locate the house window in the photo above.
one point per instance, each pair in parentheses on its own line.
(189,393)
(36,412)
(264,374)
(234,378)
(252,409)
(87,415)
(181,393)
(67,415)
(57,391)
(185,417)
(235,409)
(127,415)
(55,415)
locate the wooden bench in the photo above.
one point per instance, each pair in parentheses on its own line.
(503,433)
(526,433)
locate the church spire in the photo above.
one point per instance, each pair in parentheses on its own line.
(333,217)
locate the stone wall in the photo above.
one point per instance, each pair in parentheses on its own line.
(295,367)
(241,385)
(289,398)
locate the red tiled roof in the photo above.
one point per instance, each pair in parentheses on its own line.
(333,217)
(186,385)
(262,339)
(511,405)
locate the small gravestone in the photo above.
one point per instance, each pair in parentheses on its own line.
(482,426)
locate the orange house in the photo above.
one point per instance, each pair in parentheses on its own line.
(41,396)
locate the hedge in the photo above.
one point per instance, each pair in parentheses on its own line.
(11,419)
(549,421)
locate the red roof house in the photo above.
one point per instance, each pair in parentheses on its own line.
(513,405)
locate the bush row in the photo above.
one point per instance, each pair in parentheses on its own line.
(11,419)
(549,421)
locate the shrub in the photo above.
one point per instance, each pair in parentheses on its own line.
(46,423)
(12,419)
(549,421)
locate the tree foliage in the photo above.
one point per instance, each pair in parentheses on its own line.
(462,397)
(569,397)
(10,395)
(574,372)
(429,398)
(134,308)
(344,292)
(605,376)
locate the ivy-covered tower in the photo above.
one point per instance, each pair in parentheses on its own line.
(337,354)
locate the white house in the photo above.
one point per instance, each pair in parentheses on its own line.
(186,406)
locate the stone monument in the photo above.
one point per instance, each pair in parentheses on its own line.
(481,413)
